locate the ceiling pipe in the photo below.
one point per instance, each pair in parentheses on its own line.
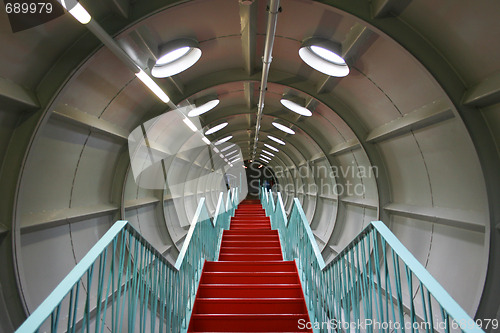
(272,18)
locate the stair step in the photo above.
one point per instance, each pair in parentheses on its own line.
(247,322)
(249,257)
(250,222)
(250,211)
(249,290)
(241,243)
(255,250)
(250,232)
(244,206)
(249,277)
(251,237)
(246,266)
(250,219)
(250,305)
(250,214)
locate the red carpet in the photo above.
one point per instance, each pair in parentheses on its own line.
(250,288)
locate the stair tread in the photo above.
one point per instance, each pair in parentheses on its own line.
(250,300)
(252,285)
(248,315)
(251,273)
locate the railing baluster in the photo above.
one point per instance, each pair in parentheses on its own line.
(354,284)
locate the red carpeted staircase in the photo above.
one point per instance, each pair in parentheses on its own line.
(250,288)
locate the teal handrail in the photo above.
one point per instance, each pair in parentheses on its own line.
(124,283)
(373,284)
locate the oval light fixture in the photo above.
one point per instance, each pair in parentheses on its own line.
(267,152)
(228,147)
(283,128)
(265,156)
(205,107)
(281,142)
(232,152)
(175,57)
(221,141)
(216,128)
(295,107)
(271,147)
(323,55)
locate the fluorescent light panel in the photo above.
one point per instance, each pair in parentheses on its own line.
(216,128)
(265,157)
(153,86)
(267,152)
(271,147)
(78,12)
(190,124)
(228,147)
(292,106)
(323,59)
(203,108)
(221,141)
(281,142)
(177,56)
(283,128)
(172,55)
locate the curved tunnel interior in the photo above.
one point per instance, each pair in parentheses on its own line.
(410,136)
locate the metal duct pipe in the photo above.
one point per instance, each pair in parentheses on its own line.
(274,9)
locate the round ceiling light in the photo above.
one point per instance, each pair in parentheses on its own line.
(281,142)
(323,55)
(176,56)
(221,141)
(228,147)
(204,108)
(216,128)
(291,105)
(283,128)
(271,147)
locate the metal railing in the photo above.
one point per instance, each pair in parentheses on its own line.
(123,284)
(373,285)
